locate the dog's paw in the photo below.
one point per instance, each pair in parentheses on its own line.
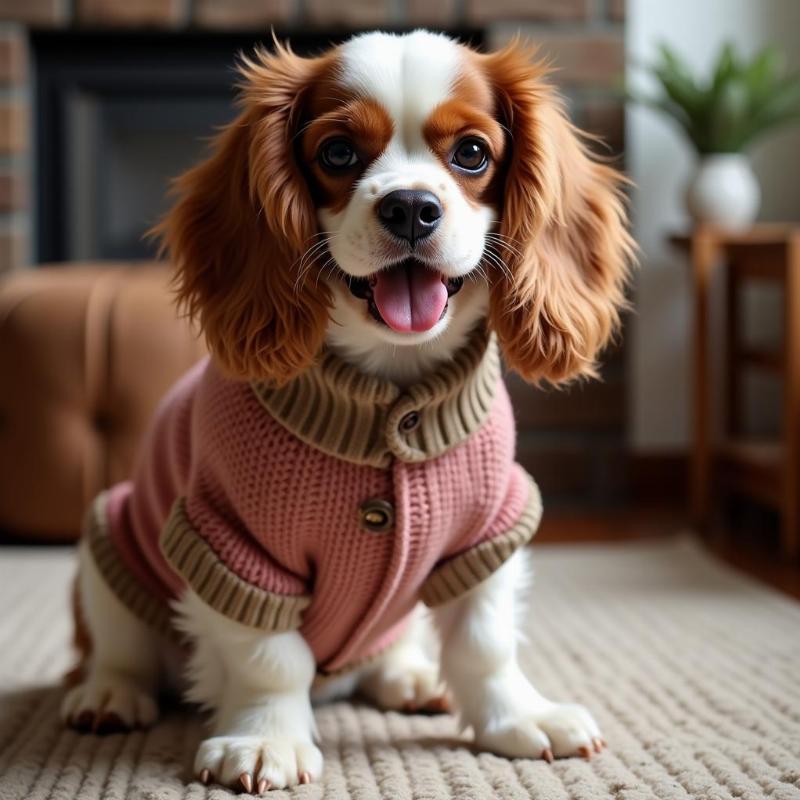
(108,704)
(256,764)
(399,685)
(560,730)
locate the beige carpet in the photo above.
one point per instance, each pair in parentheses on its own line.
(692,671)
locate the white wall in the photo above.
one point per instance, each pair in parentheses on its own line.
(660,163)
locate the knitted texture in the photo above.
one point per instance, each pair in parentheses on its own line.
(278,518)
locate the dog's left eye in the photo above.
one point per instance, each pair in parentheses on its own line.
(470,155)
(338,154)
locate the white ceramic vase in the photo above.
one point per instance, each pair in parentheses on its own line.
(724,191)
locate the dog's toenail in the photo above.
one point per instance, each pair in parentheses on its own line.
(263,785)
(110,723)
(247,782)
(305,777)
(439,704)
(205,775)
(84,721)
(547,755)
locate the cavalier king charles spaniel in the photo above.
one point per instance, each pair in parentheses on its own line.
(371,215)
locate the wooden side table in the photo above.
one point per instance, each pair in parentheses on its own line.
(769,471)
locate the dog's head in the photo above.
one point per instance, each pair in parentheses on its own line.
(398,187)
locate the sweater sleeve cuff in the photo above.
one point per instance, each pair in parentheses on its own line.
(118,576)
(217,585)
(466,570)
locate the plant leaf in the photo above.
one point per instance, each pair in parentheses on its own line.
(739,102)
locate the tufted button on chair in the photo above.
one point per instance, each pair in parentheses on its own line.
(86,352)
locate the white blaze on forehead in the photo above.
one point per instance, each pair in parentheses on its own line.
(408,74)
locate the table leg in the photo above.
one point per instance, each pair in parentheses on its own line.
(790,521)
(703,255)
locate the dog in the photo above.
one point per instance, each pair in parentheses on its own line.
(372,231)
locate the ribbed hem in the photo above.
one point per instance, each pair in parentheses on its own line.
(123,583)
(466,570)
(358,418)
(323,675)
(195,561)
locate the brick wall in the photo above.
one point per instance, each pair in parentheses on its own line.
(14,146)
(584,38)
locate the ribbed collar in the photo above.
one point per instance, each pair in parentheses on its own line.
(359,418)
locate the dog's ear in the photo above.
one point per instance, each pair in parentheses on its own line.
(567,247)
(239,228)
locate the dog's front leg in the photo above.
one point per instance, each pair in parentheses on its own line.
(119,691)
(490,690)
(257,685)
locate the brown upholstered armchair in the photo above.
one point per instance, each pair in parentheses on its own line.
(86,351)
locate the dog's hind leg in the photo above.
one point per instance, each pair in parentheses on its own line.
(406,676)
(119,683)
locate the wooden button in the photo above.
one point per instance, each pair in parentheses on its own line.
(410,421)
(377,516)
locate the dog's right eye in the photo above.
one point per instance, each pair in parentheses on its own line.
(470,155)
(337,154)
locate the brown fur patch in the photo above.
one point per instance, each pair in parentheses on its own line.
(455,120)
(568,250)
(366,124)
(242,223)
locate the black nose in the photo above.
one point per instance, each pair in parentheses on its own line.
(410,214)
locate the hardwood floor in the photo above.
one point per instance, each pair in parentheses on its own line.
(608,525)
(750,546)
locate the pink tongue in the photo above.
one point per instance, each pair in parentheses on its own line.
(410,298)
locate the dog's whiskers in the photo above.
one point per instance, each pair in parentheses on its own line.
(311,252)
(306,261)
(499,239)
(330,265)
(494,258)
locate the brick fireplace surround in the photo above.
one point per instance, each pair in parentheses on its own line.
(573,441)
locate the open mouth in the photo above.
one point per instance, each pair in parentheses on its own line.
(406,297)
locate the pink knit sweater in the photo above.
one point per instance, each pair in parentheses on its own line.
(331,505)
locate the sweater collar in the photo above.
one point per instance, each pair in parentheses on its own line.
(366,420)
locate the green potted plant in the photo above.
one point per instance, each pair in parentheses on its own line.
(722,116)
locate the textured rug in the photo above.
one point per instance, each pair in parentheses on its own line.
(692,671)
